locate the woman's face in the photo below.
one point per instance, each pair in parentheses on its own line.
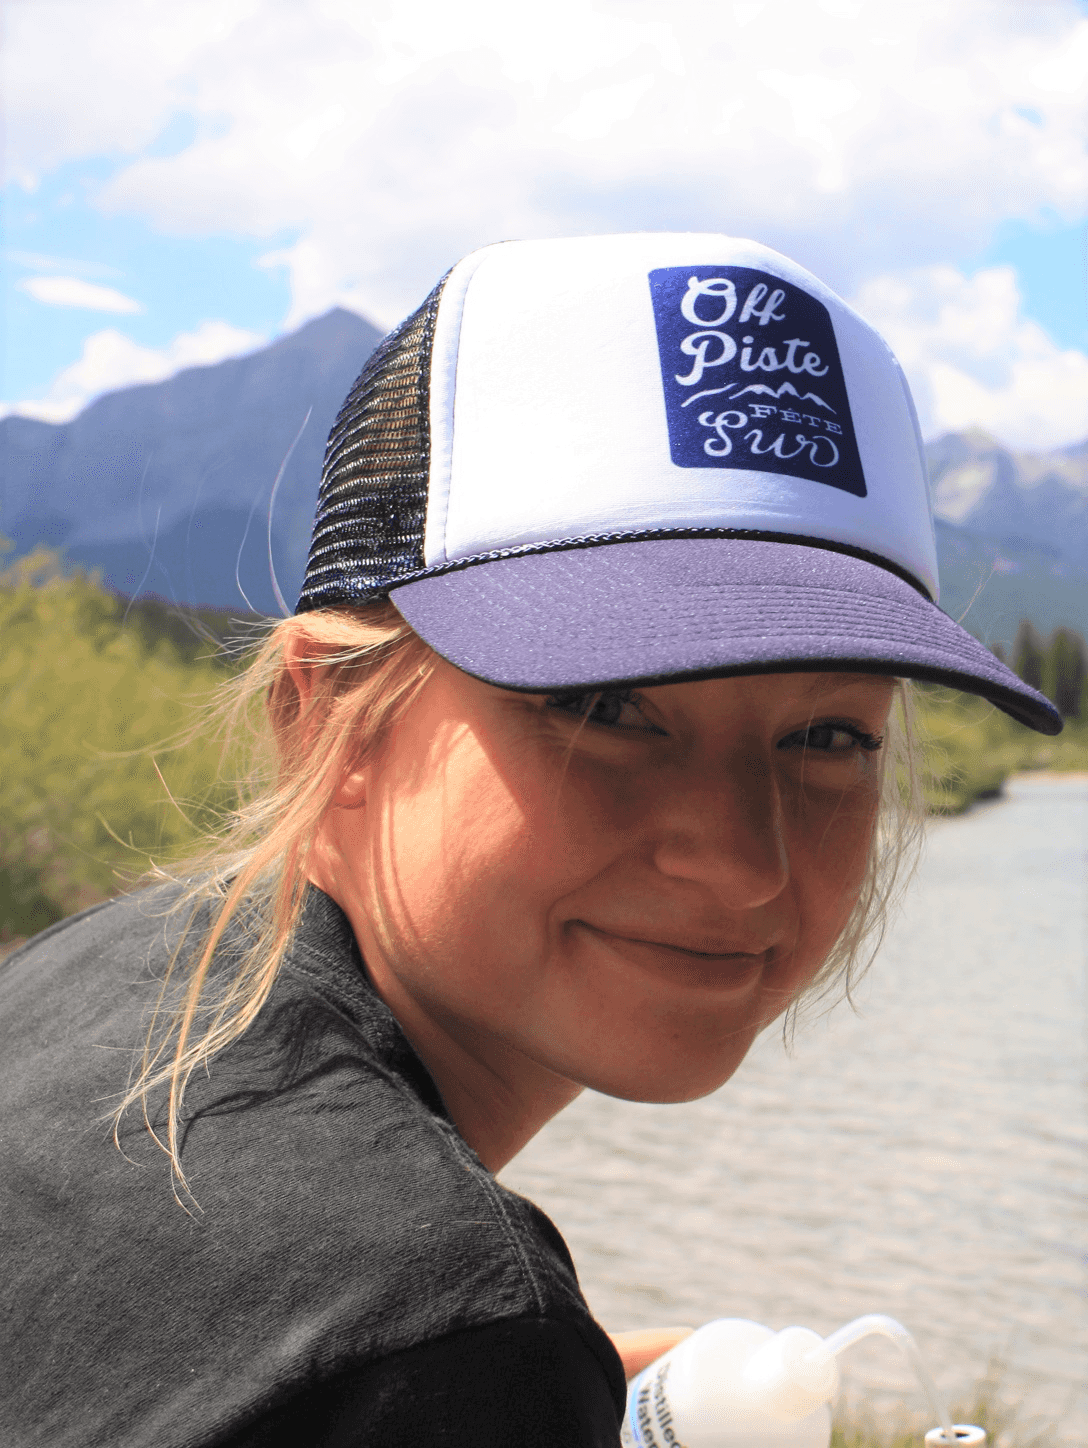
(617,891)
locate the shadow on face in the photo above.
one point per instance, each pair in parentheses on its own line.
(620,889)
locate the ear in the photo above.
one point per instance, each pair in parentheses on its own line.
(352,790)
(301,658)
(302,669)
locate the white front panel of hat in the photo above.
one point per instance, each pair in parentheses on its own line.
(558,424)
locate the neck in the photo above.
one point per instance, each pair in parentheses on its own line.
(498,1105)
(497,1097)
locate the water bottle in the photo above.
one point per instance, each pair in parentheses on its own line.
(737,1384)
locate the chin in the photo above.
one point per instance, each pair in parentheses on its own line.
(662,1082)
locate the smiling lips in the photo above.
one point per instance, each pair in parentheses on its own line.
(688,965)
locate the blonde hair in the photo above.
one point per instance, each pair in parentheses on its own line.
(893,856)
(366,666)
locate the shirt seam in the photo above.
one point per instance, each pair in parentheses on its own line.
(446,1130)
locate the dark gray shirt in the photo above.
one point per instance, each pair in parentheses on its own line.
(353,1274)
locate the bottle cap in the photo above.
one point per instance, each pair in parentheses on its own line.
(967,1436)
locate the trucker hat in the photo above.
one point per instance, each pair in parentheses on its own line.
(618,460)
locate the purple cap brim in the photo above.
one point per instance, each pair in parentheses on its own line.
(673,608)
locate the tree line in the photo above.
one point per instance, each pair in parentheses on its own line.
(1057,666)
(101,769)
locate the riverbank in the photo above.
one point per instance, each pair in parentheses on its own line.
(101,769)
(972,750)
(990,1407)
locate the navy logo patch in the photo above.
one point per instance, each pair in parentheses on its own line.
(752,376)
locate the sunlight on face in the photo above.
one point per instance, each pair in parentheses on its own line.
(622,889)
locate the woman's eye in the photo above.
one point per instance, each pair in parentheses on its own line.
(616,709)
(832,738)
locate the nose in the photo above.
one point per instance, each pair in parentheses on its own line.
(720,826)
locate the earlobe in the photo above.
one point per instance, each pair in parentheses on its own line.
(351,792)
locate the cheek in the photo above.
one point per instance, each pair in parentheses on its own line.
(466,862)
(830,856)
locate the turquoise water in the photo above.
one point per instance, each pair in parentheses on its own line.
(925,1158)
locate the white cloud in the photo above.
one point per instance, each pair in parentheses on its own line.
(391,137)
(110,361)
(86,80)
(37,261)
(74,292)
(871,139)
(973,360)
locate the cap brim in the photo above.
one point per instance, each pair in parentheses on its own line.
(685,608)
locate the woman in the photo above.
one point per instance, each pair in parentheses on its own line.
(582,732)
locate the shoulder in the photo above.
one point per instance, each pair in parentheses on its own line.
(129,924)
(72,1001)
(323,1124)
(341,1217)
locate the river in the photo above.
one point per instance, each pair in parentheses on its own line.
(925,1158)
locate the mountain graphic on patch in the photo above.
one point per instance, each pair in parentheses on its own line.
(787,389)
(725,336)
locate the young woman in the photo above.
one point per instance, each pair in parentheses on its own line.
(589,759)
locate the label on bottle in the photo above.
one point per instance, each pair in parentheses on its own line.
(648,1420)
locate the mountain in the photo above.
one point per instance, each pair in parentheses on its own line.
(990,583)
(1012,534)
(165,488)
(1038,497)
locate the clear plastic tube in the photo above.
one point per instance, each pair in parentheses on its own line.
(875,1324)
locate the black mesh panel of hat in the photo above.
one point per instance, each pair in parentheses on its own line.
(372,503)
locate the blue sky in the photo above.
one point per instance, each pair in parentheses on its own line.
(180,280)
(1051,261)
(195,180)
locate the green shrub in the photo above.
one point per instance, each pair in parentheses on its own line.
(86,703)
(972,748)
(93,692)
(991,1407)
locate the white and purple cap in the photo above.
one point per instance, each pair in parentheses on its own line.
(631,459)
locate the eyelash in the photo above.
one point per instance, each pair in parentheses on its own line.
(584,705)
(869,742)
